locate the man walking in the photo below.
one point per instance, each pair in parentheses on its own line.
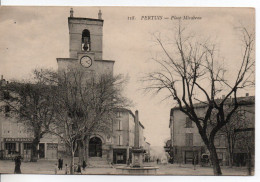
(84,165)
(18,162)
(60,163)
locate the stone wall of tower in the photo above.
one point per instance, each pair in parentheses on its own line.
(76,27)
(98,67)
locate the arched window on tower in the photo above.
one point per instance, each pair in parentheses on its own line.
(85,42)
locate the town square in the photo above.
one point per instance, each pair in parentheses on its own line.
(127,91)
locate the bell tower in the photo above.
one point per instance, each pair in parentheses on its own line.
(85,46)
(85,36)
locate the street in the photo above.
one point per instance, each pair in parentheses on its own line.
(47,167)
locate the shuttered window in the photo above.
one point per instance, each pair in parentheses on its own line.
(120,140)
(119,125)
(188,123)
(189,139)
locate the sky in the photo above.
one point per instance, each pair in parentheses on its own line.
(33,37)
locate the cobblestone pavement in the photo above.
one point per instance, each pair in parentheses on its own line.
(47,167)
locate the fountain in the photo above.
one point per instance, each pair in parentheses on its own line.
(137,166)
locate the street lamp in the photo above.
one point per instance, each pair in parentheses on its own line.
(194,157)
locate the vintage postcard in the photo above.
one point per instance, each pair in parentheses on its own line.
(127,91)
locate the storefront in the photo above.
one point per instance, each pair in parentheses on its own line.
(119,156)
(190,157)
(222,154)
(17,146)
(188,154)
(52,151)
(13,147)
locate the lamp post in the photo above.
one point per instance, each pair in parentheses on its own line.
(194,157)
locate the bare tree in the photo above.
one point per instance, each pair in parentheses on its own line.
(85,104)
(32,103)
(192,74)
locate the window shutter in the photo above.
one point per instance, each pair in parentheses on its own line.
(188,122)
(187,139)
(120,140)
(119,125)
(191,139)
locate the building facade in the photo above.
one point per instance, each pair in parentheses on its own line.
(123,139)
(186,143)
(16,138)
(185,139)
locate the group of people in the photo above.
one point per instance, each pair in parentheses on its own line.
(76,168)
(60,166)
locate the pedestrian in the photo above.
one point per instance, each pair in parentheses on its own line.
(84,165)
(79,169)
(75,167)
(157,160)
(194,162)
(66,169)
(171,160)
(59,162)
(55,169)
(18,162)
(61,166)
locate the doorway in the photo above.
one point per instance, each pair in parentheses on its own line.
(191,157)
(41,150)
(95,147)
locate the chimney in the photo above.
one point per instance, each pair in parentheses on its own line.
(71,12)
(2,77)
(100,15)
(247,94)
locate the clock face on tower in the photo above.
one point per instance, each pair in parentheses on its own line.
(86,61)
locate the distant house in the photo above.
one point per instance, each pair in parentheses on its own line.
(147,154)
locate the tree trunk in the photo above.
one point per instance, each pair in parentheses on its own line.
(249,163)
(230,160)
(84,150)
(214,159)
(230,151)
(34,153)
(87,150)
(72,162)
(81,151)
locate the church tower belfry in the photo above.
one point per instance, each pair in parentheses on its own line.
(86,36)
(85,46)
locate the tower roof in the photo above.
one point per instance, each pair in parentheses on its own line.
(81,18)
